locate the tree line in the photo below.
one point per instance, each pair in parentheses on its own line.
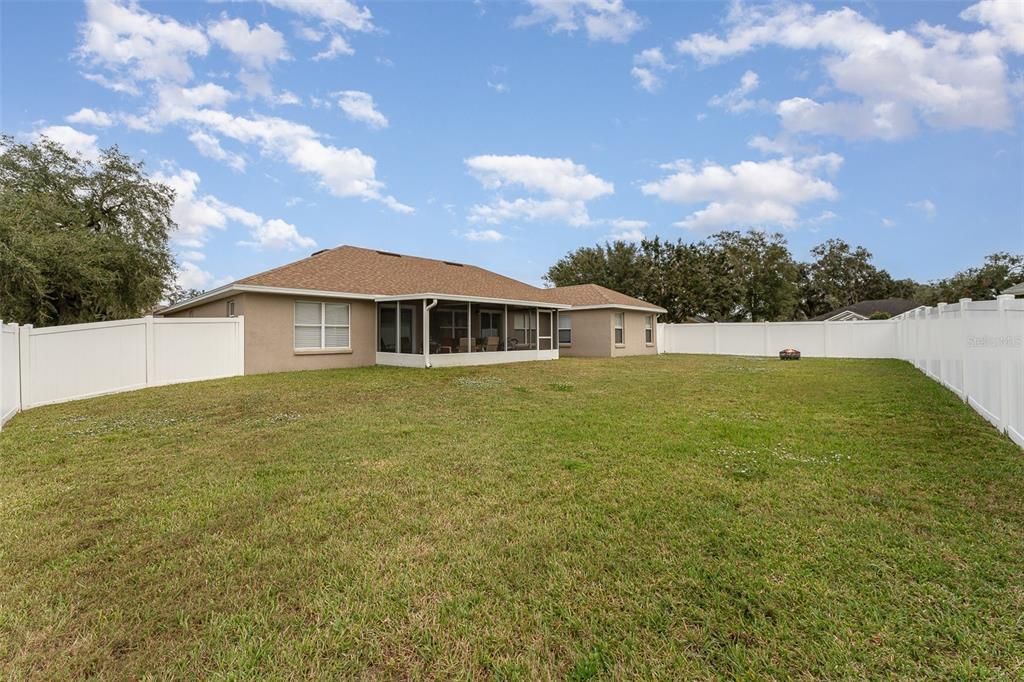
(734,276)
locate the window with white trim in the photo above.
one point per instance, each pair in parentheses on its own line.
(322,326)
(649,329)
(231,308)
(564,329)
(620,328)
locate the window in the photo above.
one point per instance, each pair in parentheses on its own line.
(649,329)
(564,330)
(620,329)
(490,323)
(231,308)
(322,326)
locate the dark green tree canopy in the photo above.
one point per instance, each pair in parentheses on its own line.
(80,241)
(752,275)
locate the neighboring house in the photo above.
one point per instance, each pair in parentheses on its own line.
(1016,290)
(350,307)
(863,310)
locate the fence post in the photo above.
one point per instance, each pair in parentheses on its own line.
(25,363)
(150,351)
(941,308)
(716,337)
(965,304)
(2,375)
(240,329)
(1005,367)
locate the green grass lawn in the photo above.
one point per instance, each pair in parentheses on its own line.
(660,517)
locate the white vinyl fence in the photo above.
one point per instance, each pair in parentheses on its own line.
(57,364)
(975,348)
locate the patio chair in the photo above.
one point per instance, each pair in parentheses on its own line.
(465,344)
(491,344)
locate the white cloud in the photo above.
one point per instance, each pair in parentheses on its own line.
(783,144)
(1005,18)
(340,13)
(344,172)
(122,85)
(359,106)
(602,19)
(500,88)
(191,276)
(277,234)
(944,78)
(567,186)
(138,45)
(749,193)
(209,146)
(196,215)
(645,78)
(313,35)
(560,178)
(74,141)
(647,65)
(91,117)
(256,47)
(854,120)
(503,210)
(888,222)
(193,255)
(735,101)
(626,230)
(925,206)
(484,236)
(336,47)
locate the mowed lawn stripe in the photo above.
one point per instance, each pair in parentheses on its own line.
(670,516)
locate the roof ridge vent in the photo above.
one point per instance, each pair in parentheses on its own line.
(317,253)
(389,253)
(448,262)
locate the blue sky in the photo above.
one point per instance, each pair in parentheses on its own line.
(507,134)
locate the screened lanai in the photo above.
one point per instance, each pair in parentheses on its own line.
(441,331)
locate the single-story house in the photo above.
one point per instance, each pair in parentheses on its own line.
(350,307)
(863,310)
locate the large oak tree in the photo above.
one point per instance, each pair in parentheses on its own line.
(80,241)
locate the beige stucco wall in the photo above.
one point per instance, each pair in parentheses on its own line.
(634,336)
(593,334)
(269,333)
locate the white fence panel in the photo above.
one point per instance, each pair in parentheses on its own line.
(10,373)
(82,360)
(864,339)
(57,364)
(192,349)
(808,337)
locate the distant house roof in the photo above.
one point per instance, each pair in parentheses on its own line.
(368,273)
(597,296)
(862,310)
(1016,290)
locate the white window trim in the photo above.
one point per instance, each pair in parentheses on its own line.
(615,322)
(230,307)
(561,329)
(649,327)
(323,329)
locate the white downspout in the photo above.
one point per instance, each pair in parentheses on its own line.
(426,331)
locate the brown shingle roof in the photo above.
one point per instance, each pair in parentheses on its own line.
(595,295)
(354,270)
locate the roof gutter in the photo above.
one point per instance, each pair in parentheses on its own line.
(620,306)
